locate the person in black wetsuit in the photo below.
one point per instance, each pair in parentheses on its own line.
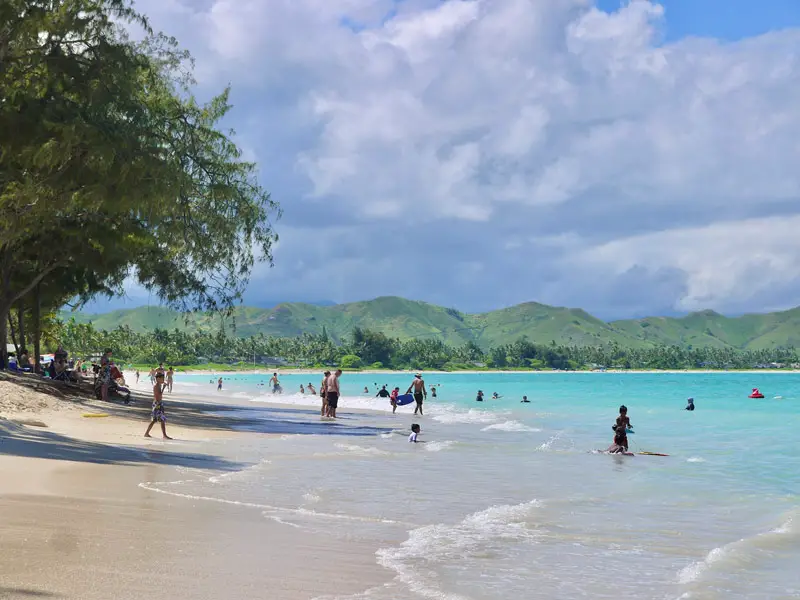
(479,398)
(382,393)
(690,404)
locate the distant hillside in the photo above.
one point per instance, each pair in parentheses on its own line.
(407,319)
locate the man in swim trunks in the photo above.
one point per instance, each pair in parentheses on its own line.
(420,393)
(332,393)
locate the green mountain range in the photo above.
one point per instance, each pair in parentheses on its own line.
(406,319)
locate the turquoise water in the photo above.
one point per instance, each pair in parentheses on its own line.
(508,500)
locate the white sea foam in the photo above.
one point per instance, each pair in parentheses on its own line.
(426,546)
(361,450)
(696,459)
(159,488)
(448,414)
(222,477)
(438,446)
(511,426)
(739,551)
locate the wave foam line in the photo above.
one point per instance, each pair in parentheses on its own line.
(442,543)
(150,486)
(735,550)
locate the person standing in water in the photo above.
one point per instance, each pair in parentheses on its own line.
(433,391)
(332,393)
(690,404)
(311,389)
(219,384)
(479,397)
(414,433)
(323,391)
(621,427)
(420,393)
(157,414)
(525,399)
(382,393)
(302,389)
(393,399)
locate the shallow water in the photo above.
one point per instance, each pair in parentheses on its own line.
(506,500)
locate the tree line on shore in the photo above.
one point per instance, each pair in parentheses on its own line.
(370,349)
(111,170)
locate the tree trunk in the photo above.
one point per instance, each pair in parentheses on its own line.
(37,328)
(3,339)
(13,335)
(21,328)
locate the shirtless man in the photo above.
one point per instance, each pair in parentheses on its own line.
(323,391)
(420,393)
(332,392)
(274,383)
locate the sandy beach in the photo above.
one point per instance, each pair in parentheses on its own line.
(78,523)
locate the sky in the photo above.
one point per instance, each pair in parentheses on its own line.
(631,159)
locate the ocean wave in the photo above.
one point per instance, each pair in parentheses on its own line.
(426,546)
(438,446)
(696,459)
(448,415)
(158,487)
(511,426)
(739,554)
(219,478)
(361,450)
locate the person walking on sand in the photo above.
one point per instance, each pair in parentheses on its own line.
(323,391)
(137,376)
(332,392)
(420,393)
(393,399)
(170,375)
(152,375)
(157,415)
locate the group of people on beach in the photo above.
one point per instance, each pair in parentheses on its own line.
(168,373)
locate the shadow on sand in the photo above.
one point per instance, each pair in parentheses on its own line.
(16,440)
(7,592)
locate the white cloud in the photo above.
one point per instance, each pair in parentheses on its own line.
(501,121)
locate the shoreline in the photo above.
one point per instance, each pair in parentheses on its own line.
(81,522)
(289,371)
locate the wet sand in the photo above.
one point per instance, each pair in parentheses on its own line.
(76,523)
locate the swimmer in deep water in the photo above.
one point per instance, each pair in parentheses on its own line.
(479,398)
(690,404)
(525,399)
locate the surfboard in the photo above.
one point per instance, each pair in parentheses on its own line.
(653,454)
(405,399)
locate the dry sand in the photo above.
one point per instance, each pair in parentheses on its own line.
(77,525)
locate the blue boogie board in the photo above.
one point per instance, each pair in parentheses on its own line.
(405,399)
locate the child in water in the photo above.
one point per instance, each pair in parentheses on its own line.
(157,414)
(621,427)
(414,433)
(393,399)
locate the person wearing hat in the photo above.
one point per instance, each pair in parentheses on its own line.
(690,404)
(420,393)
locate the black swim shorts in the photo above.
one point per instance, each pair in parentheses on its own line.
(418,397)
(333,399)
